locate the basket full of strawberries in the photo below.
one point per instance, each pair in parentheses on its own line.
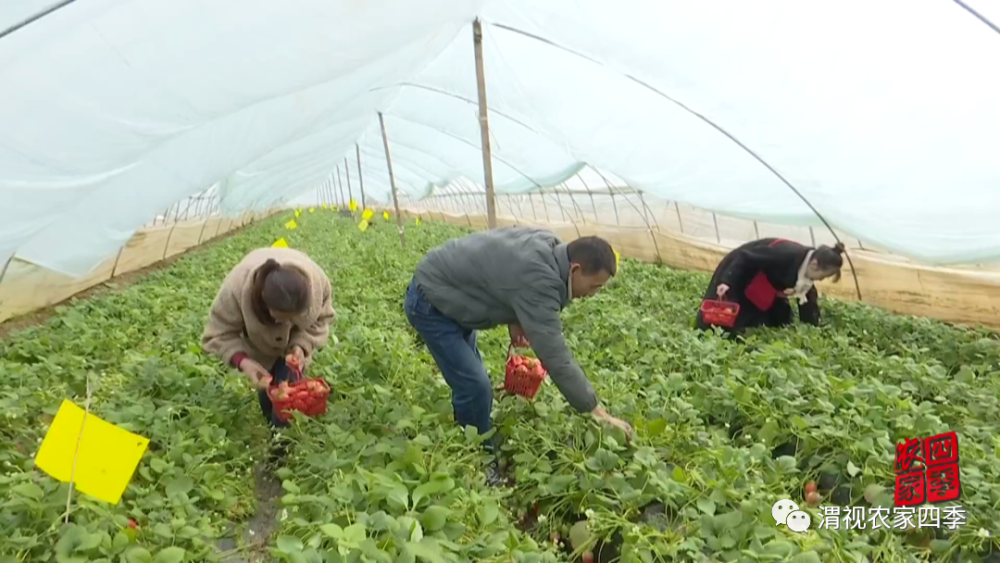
(524,374)
(306,395)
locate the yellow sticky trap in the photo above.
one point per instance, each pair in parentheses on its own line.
(312,210)
(107,459)
(280,243)
(291,225)
(363,225)
(617,257)
(325,206)
(418,220)
(385,214)
(368,214)
(352,205)
(298,212)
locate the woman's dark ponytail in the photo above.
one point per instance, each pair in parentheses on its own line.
(257,291)
(830,259)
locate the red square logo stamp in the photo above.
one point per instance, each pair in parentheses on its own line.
(927,470)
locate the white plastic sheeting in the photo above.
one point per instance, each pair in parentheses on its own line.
(883,114)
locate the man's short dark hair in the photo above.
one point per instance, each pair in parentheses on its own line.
(593,254)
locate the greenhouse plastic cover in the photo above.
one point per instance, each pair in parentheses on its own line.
(883,114)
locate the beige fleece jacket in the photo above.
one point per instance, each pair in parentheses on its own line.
(233,327)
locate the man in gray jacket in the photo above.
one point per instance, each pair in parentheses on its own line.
(518,276)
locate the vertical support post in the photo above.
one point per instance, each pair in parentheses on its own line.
(170,234)
(114,268)
(593,205)
(812,236)
(340,181)
(484,127)
(6,265)
(392,180)
(679,221)
(559,203)
(718,238)
(756,231)
(200,235)
(611,191)
(648,212)
(361,178)
(350,193)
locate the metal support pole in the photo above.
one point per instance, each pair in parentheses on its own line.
(350,193)
(715,220)
(484,127)
(679,221)
(559,203)
(648,212)
(392,180)
(6,265)
(340,181)
(361,178)
(591,194)
(114,268)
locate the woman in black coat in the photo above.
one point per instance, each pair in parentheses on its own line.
(764,274)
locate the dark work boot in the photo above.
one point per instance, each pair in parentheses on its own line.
(495,476)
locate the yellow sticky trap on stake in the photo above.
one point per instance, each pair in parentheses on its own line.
(107,455)
(291,225)
(325,206)
(352,205)
(363,225)
(418,220)
(298,212)
(617,257)
(312,210)
(368,214)
(280,243)
(385,214)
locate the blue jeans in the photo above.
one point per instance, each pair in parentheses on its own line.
(457,355)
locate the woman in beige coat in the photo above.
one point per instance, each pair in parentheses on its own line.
(275,304)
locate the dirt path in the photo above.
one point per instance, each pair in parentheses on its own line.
(251,542)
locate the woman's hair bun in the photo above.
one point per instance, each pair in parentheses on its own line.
(838,248)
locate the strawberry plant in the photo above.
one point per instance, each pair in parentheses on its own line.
(723,428)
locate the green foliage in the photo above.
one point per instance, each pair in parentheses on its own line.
(724,429)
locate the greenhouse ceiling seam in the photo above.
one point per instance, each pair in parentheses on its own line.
(458,97)
(457,138)
(979,16)
(48,11)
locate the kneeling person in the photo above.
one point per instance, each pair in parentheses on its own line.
(276,305)
(762,276)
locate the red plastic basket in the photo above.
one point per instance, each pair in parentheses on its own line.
(302,398)
(720,313)
(522,382)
